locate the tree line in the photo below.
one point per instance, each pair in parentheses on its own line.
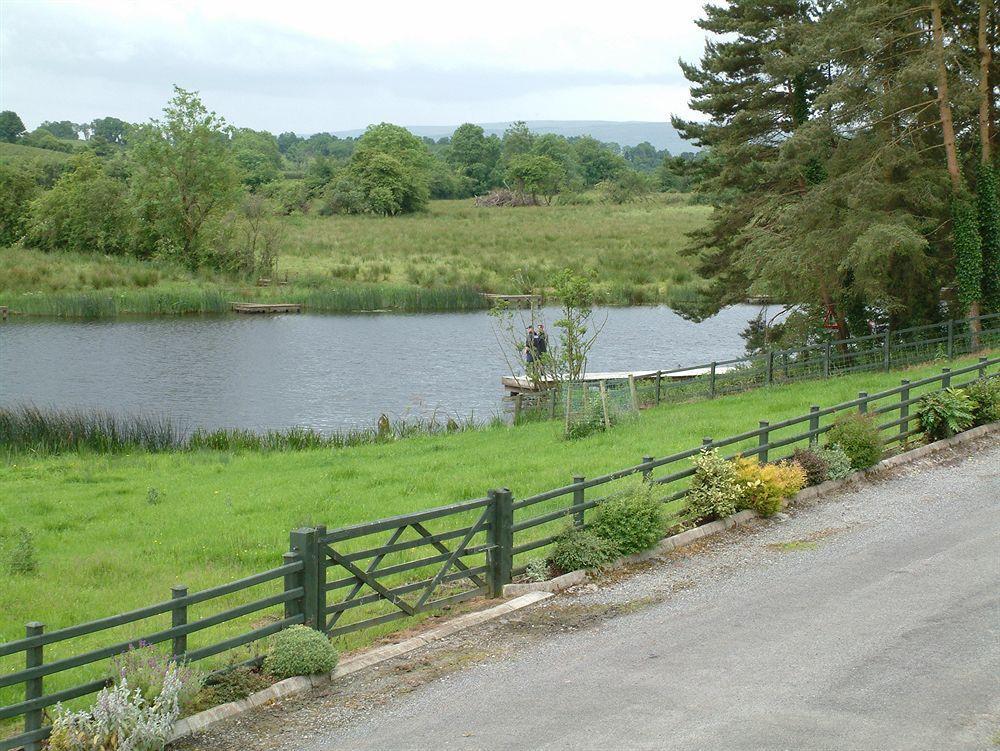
(190,187)
(852,153)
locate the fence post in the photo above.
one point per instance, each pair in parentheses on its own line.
(659,377)
(578,501)
(552,402)
(305,542)
(982,367)
(886,353)
(863,407)
(904,409)
(648,471)
(826,360)
(814,425)
(517,407)
(33,658)
(501,540)
(292,581)
(178,617)
(633,392)
(770,367)
(951,338)
(784,363)
(762,441)
(711,383)
(946,378)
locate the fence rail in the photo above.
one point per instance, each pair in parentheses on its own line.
(371,574)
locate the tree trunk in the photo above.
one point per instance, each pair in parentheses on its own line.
(985,61)
(944,104)
(948,134)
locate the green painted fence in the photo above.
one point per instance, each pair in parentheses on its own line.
(367,575)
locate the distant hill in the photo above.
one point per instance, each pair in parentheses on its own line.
(626,133)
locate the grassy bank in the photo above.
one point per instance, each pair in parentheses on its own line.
(436,261)
(113,532)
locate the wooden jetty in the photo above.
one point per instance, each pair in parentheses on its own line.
(531,301)
(3,312)
(250,308)
(522,384)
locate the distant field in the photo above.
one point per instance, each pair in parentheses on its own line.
(437,260)
(14,153)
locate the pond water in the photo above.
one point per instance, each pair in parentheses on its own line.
(322,371)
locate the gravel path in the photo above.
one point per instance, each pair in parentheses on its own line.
(860,621)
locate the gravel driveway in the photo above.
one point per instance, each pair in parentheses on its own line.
(867,620)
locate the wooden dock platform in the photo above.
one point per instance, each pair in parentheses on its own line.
(3,312)
(523,385)
(259,307)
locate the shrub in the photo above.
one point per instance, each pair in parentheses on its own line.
(763,487)
(120,719)
(944,413)
(299,650)
(813,463)
(537,570)
(714,487)
(985,398)
(19,553)
(838,464)
(146,671)
(578,548)
(631,520)
(858,436)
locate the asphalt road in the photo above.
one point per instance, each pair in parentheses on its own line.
(870,621)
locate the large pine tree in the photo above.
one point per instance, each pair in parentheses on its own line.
(830,177)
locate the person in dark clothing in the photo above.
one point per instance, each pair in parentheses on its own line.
(529,345)
(541,341)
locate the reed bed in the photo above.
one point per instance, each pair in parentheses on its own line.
(30,429)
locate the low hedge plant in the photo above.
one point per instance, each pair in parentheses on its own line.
(299,650)
(838,463)
(815,465)
(631,519)
(985,398)
(858,436)
(577,548)
(765,487)
(942,414)
(715,489)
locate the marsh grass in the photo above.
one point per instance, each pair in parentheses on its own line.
(440,260)
(27,429)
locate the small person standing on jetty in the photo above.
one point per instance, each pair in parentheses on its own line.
(541,341)
(530,344)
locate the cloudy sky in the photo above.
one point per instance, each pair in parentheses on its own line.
(339,64)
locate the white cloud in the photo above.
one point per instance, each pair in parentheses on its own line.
(328,66)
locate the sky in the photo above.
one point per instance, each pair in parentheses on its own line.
(341,64)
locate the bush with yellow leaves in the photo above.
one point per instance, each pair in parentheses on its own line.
(764,487)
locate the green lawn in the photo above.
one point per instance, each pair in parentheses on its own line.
(437,260)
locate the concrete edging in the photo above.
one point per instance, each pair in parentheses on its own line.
(560,583)
(297,684)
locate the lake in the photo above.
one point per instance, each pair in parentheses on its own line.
(322,371)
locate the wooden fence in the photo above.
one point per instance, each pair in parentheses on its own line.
(368,575)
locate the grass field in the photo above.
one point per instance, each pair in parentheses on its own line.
(15,153)
(438,260)
(103,547)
